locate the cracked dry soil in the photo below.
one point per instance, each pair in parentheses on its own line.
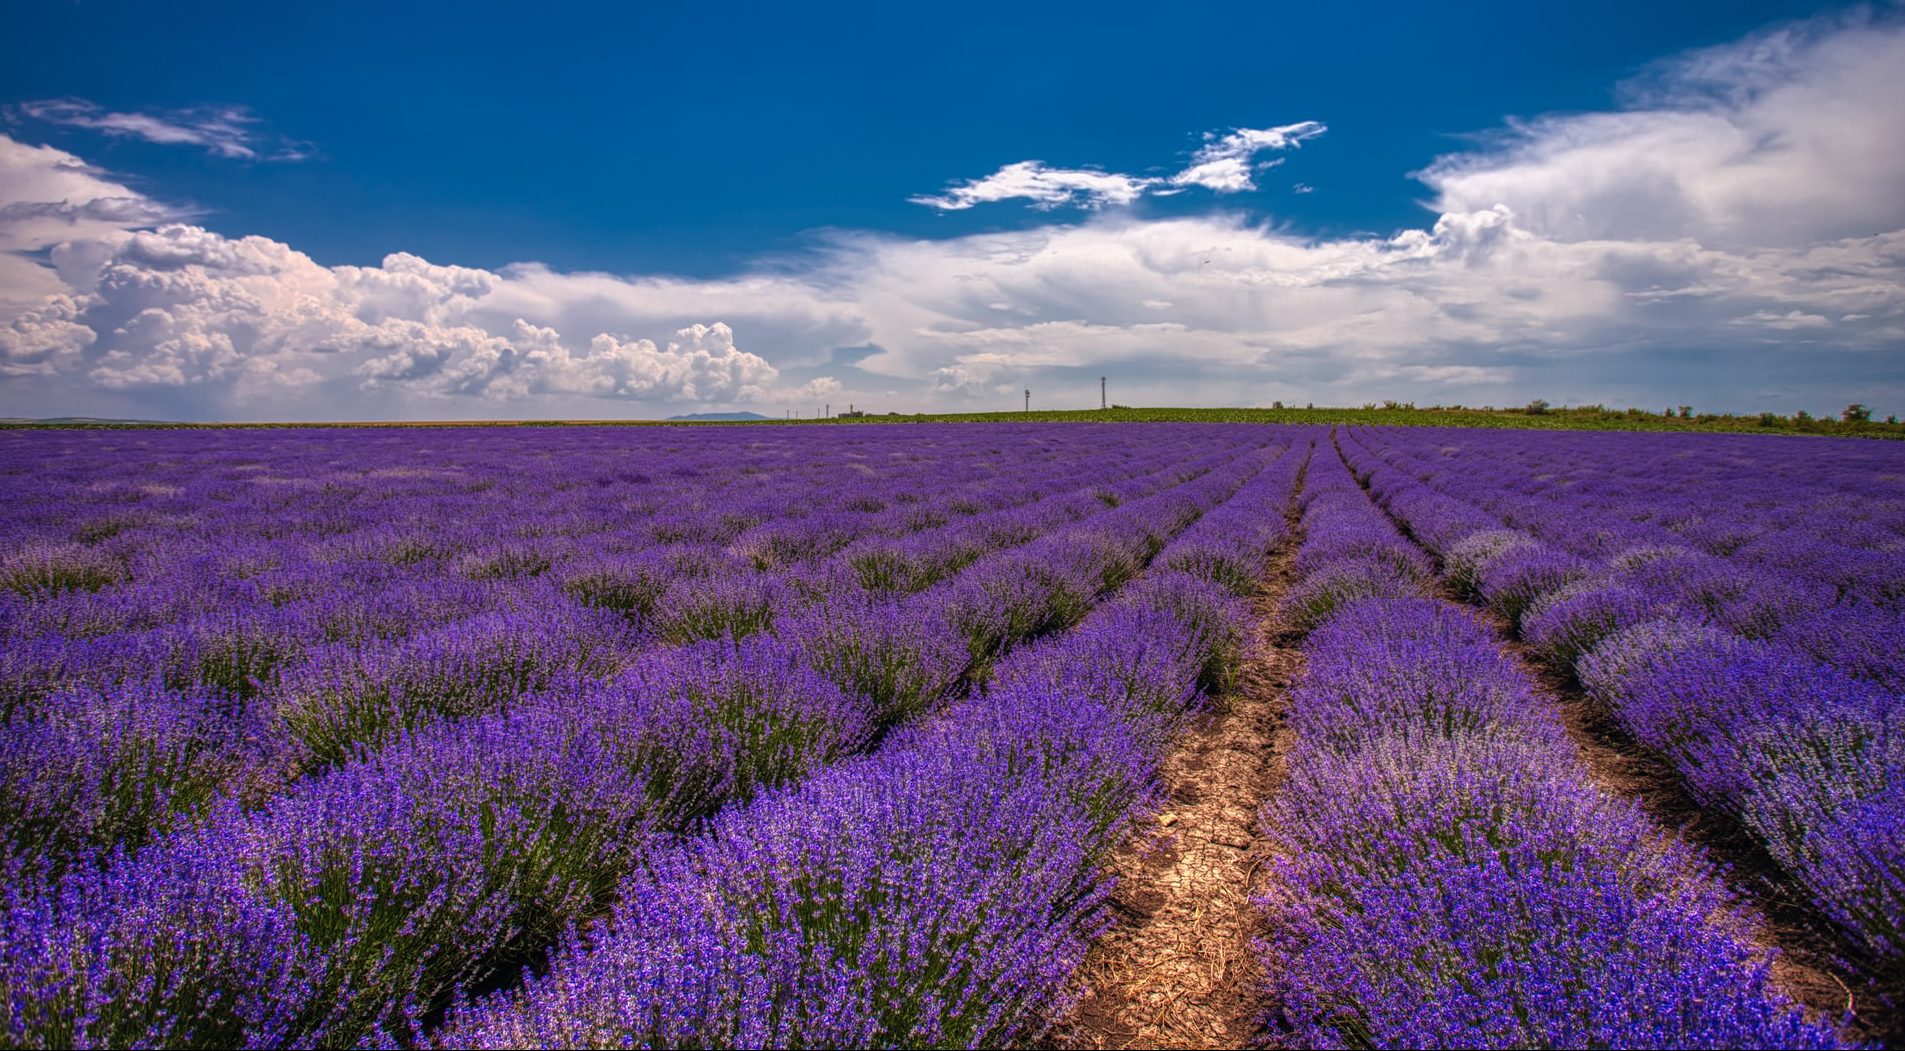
(1178,970)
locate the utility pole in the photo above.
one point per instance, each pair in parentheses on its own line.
(1101,392)
(1028,399)
(829,411)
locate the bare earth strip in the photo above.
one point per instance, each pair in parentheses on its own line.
(1179,970)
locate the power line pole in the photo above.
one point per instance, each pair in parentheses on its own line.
(1028,399)
(1101,392)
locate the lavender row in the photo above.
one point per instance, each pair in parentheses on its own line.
(346,700)
(360,900)
(1801,543)
(1807,757)
(1829,511)
(938,894)
(135,757)
(428,496)
(387,577)
(1446,874)
(395,559)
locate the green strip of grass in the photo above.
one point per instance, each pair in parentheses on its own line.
(1588,419)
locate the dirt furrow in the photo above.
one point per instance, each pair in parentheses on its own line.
(1179,970)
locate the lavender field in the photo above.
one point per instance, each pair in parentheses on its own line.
(878,736)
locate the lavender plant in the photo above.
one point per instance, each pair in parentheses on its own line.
(1447,875)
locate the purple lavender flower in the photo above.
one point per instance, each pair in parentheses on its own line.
(47,569)
(345,701)
(172,948)
(1465,560)
(733,605)
(775,719)
(851,911)
(897,656)
(1474,892)
(1384,667)
(629,584)
(1317,597)
(116,766)
(1216,621)
(1567,622)
(1516,578)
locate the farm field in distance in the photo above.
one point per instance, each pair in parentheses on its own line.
(1239,730)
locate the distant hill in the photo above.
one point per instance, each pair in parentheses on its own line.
(78,421)
(708,416)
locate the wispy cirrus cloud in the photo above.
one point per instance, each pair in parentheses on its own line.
(1045,187)
(224,131)
(1224,164)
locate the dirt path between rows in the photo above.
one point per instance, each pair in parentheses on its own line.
(1179,969)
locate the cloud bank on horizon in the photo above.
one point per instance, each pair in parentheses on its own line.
(1734,232)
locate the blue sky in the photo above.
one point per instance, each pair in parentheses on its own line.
(640,212)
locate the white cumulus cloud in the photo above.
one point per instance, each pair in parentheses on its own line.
(183,307)
(1787,138)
